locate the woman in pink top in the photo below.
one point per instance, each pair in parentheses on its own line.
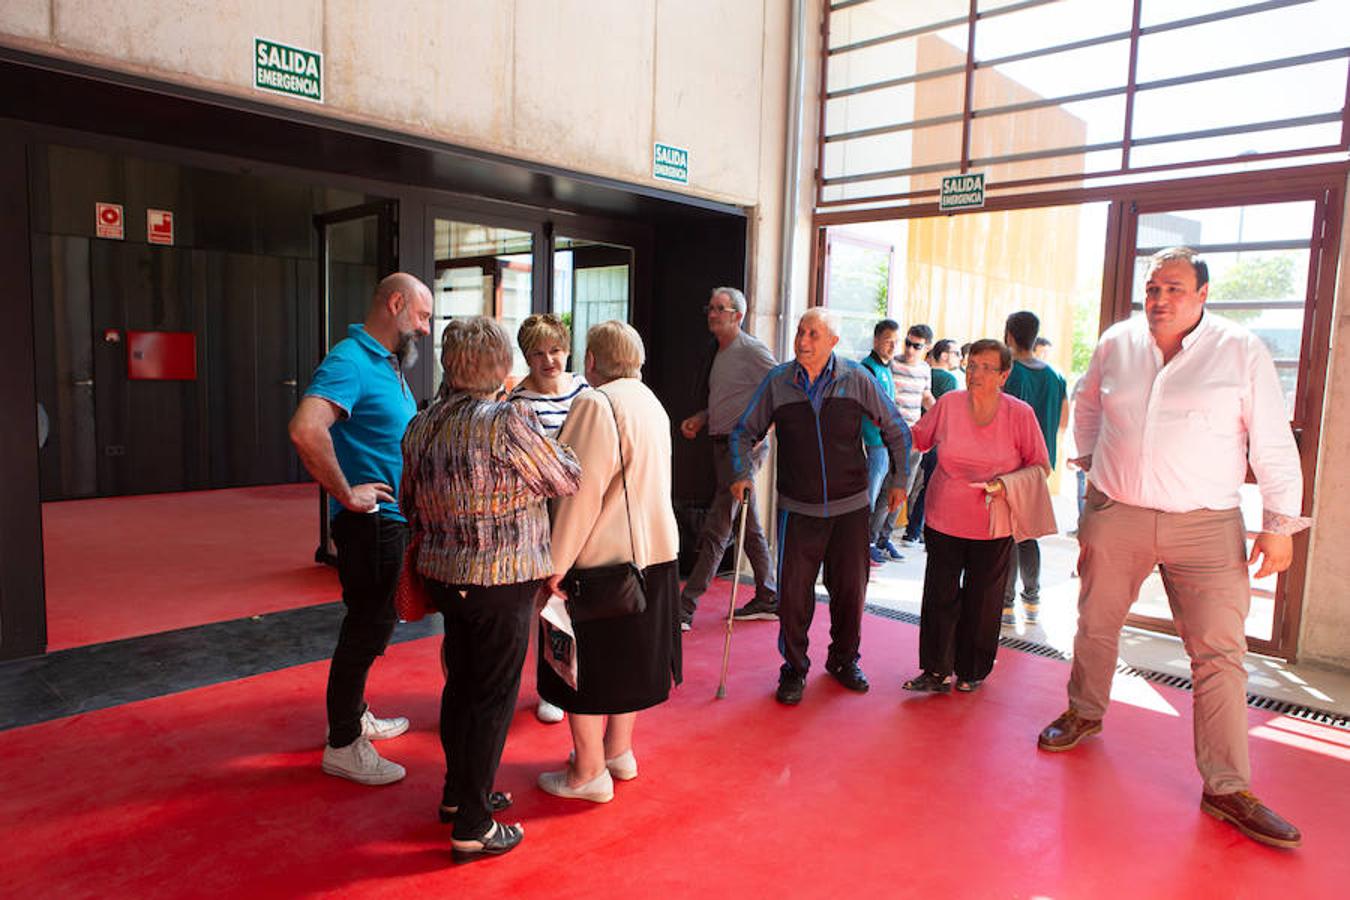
(981,433)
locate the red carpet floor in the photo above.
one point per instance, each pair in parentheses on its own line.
(126,566)
(217,792)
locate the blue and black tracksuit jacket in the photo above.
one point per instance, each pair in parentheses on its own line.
(822,467)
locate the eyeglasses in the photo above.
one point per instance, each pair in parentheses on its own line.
(915,345)
(984,369)
(709,308)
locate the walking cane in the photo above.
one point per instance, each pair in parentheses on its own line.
(731,605)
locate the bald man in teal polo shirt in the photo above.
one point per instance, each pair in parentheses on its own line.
(348,431)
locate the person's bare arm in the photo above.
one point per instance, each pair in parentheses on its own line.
(309,433)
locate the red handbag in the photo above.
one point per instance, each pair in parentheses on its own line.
(411,599)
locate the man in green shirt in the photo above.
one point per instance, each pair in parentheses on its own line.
(1038,384)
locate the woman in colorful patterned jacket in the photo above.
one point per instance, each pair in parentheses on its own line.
(476,475)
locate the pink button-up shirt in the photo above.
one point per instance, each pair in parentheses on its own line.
(1177,437)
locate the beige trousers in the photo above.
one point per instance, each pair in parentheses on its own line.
(1202,559)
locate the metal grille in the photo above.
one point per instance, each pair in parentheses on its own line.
(1181,682)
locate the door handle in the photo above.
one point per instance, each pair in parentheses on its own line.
(290,382)
(83,382)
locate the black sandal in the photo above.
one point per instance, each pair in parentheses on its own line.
(967,685)
(497,801)
(498,840)
(930,683)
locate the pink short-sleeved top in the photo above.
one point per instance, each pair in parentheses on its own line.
(970,453)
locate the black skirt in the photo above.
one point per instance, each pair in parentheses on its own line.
(627,663)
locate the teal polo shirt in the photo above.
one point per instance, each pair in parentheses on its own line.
(361,377)
(882,373)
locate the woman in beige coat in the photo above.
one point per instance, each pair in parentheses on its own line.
(626,663)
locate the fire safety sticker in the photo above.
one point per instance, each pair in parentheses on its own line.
(159,226)
(108,220)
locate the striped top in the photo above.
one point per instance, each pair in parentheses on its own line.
(552,409)
(476,475)
(910,383)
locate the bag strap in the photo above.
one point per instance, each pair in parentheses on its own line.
(628,513)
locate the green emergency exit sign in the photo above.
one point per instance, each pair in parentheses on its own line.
(287,70)
(670,163)
(962,192)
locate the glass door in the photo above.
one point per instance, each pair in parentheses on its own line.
(481,270)
(356,250)
(592,283)
(1263,263)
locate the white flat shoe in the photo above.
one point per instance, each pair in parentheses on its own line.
(548,713)
(623,767)
(599,789)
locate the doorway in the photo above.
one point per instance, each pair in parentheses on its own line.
(167,366)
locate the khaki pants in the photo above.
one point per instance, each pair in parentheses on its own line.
(1202,558)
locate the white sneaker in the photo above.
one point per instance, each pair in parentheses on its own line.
(382,729)
(359,762)
(548,713)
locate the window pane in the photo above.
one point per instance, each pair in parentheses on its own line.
(1050,25)
(590,285)
(905,103)
(1226,146)
(1048,128)
(1242,100)
(882,17)
(481,271)
(1286,31)
(858,288)
(1056,75)
(890,152)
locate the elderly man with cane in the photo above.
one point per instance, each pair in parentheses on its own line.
(818,403)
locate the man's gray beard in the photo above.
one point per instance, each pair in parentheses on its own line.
(407,350)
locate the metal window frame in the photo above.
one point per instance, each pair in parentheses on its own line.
(1130,90)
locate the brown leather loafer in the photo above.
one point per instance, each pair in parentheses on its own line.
(1065,732)
(1252,817)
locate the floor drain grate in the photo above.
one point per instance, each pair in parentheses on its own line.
(1181,682)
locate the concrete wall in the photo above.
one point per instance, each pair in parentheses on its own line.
(1325,634)
(585,85)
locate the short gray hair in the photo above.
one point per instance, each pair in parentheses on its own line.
(734,294)
(828,317)
(616,350)
(475,354)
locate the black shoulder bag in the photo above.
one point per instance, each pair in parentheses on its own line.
(607,592)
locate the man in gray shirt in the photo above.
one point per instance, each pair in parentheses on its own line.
(739,367)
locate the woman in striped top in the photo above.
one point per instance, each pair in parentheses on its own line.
(549,389)
(476,475)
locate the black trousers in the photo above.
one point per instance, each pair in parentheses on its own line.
(487,631)
(370,554)
(805,543)
(1026,559)
(962,604)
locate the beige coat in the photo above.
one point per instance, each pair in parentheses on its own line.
(1023,508)
(590,527)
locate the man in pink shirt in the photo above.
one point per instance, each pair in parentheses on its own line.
(1172,410)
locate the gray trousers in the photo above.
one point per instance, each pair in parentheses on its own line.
(718,534)
(1202,558)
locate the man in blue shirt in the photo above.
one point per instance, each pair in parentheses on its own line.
(348,431)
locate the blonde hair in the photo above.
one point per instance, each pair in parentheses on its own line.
(475,354)
(537,329)
(616,350)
